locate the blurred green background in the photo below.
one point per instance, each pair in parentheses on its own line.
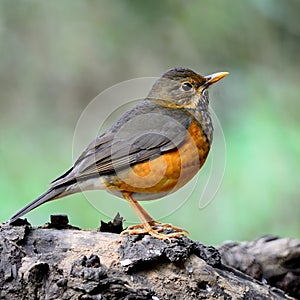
(56,56)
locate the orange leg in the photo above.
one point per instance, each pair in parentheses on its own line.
(149,225)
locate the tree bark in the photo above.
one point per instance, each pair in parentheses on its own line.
(58,261)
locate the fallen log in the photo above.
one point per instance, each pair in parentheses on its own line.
(59,261)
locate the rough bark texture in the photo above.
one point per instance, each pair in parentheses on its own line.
(269,259)
(62,262)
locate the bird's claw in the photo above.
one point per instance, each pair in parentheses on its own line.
(155,229)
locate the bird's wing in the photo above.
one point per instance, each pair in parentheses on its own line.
(141,134)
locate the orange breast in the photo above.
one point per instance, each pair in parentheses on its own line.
(169,171)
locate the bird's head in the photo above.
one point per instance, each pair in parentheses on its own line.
(182,87)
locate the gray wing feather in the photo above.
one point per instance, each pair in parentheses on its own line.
(139,135)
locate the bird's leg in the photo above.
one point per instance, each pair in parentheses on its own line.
(149,225)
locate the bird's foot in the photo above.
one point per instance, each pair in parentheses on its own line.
(156,229)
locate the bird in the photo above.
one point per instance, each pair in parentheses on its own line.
(152,150)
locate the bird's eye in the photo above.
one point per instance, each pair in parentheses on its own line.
(186,86)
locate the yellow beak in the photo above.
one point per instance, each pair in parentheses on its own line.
(213,78)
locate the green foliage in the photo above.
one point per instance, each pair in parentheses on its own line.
(58,55)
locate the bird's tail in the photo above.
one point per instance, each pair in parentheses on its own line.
(52,194)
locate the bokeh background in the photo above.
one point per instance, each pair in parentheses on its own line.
(56,56)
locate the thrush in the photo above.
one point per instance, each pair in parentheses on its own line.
(153,150)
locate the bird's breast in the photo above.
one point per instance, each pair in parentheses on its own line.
(168,172)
